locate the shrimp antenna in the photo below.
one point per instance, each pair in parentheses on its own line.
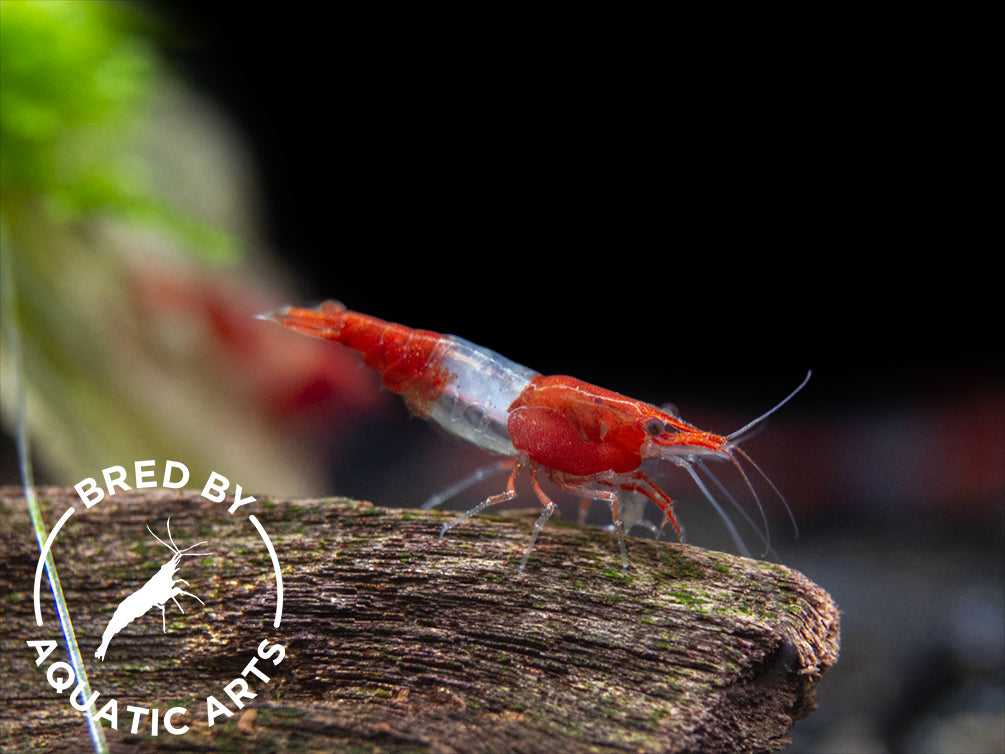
(762,417)
(733,532)
(172,547)
(175,549)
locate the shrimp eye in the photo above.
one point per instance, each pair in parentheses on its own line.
(655,427)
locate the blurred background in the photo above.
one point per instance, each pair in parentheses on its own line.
(693,213)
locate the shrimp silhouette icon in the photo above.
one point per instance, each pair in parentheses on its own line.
(161,587)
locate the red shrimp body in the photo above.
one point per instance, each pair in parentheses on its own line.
(403,356)
(590,441)
(576,428)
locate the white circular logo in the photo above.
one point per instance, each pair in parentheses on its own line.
(166,588)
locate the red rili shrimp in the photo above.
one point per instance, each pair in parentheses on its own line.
(589,441)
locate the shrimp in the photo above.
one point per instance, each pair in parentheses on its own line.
(588,441)
(155,593)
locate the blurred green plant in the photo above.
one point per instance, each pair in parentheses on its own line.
(75,78)
(106,284)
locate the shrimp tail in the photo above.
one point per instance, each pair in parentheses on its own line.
(403,356)
(122,617)
(323,322)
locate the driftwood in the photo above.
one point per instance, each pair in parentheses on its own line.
(398,640)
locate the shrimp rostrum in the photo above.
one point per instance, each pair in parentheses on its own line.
(161,587)
(588,441)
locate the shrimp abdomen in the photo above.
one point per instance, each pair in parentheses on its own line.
(466,389)
(401,355)
(474,403)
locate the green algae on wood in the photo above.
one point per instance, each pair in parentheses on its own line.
(395,635)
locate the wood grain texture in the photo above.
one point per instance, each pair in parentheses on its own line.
(397,640)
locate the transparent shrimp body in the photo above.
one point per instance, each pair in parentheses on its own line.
(474,404)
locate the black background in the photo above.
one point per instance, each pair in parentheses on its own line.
(653,205)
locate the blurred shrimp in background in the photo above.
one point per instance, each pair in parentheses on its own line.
(696,224)
(136,263)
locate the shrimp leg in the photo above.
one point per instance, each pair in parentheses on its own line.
(505,497)
(549,510)
(502,497)
(478,475)
(611,497)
